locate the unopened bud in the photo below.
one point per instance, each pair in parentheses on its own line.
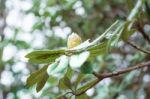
(73,40)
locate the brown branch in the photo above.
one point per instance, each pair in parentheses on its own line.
(116,73)
(145,36)
(137,47)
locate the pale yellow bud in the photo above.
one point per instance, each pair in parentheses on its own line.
(73,40)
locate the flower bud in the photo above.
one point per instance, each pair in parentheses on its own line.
(73,40)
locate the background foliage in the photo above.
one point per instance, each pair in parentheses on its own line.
(27,25)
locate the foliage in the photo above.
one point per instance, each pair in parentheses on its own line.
(106,28)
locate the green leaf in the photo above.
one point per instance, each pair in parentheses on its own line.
(79,79)
(51,67)
(46,56)
(42,82)
(62,64)
(99,49)
(62,96)
(126,33)
(62,84)
(147,8)
(83,96)
(51,2)
(98,46)
(36,76)
(53,80)
(86,68)
(22,44)
(87,86)
(77,60)
(69,73)
(130,4)
(101,37)
(135,11)
(67,82)
(115,37)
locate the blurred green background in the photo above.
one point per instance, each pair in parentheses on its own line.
(26,25)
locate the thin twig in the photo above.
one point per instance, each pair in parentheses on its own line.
(138,47)
(145,36)
(116,73)
(106,75)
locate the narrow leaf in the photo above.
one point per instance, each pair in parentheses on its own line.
(87,86)
(36,76)
(46,56)
(67,82)
(41,83)
(61,84)
(98,46)
(69,73)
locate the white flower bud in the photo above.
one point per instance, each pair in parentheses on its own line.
(73,40)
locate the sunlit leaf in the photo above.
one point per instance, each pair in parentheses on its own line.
(77,60)
(134,13)
(51,67)
(61,66)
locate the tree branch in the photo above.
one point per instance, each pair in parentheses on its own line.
(137,47)
(116,73)
(145,36)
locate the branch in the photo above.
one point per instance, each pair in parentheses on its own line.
(137,47)
(116,73)
(145,36)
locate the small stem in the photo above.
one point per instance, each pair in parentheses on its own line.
(137,47)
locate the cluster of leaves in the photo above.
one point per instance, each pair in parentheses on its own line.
(59,60)
(104,52)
